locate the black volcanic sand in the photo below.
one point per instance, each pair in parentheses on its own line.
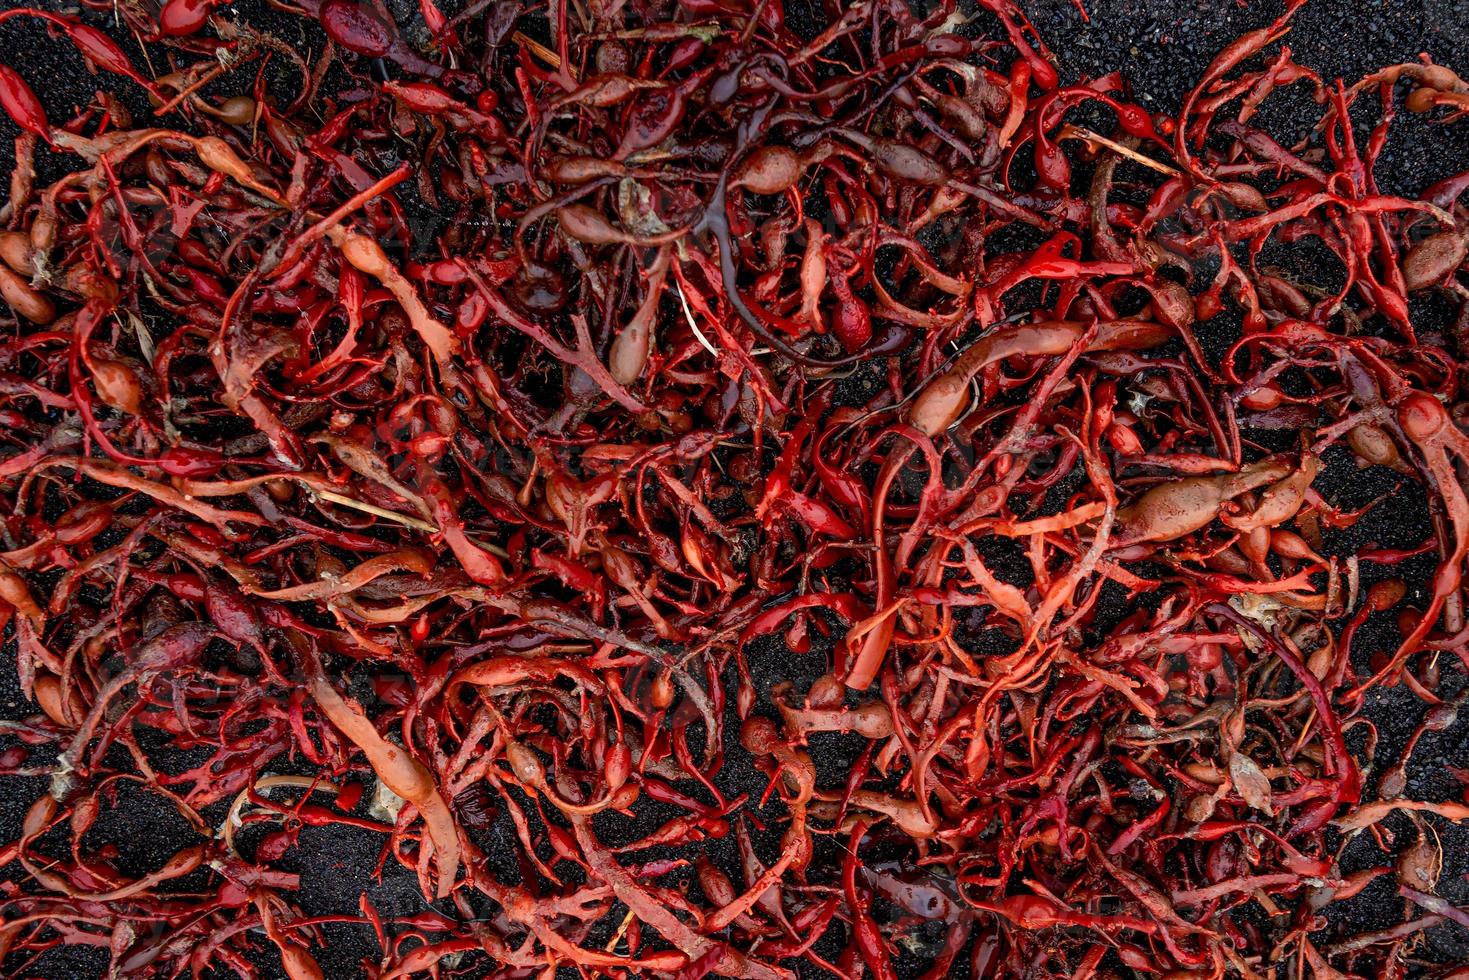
(1159,48)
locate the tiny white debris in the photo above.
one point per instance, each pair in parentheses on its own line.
(951,24)
(145,339)
(385,804)
(689,315)
(61,781)
(635,208)
(1258,608)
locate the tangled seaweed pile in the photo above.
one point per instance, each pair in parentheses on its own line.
(878,339)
